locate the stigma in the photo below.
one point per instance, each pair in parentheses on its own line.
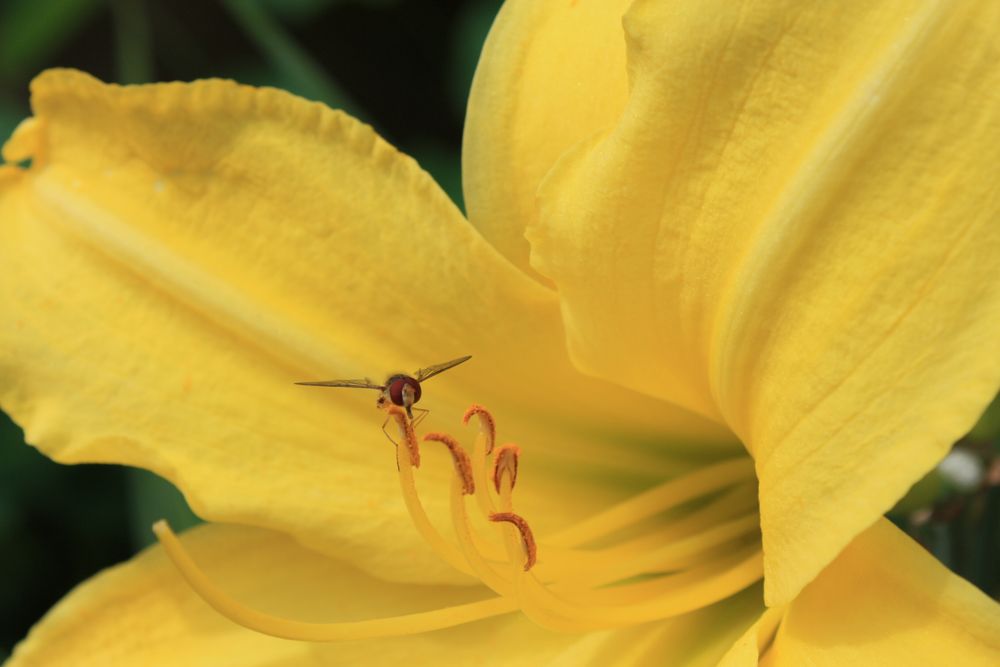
(685,544)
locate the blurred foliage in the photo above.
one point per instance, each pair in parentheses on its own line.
(405,68)
(958,520)
(133,57)
(987,429)
(302,74)
(32,30)
(58,525)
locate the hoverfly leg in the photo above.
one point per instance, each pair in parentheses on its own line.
(423,413)
(387,432)
(395,444)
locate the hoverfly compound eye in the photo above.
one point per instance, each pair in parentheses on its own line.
(398,388)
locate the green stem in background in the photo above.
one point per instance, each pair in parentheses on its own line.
(32,31)
(133,41)
(286,56)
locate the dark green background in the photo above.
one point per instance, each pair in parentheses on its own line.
(404,67)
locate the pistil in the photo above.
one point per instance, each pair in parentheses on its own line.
(268,624)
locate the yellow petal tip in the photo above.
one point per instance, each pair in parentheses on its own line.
(26,141)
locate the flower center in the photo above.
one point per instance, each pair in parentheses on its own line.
(685,544)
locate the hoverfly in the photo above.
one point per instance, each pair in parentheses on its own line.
(399,389)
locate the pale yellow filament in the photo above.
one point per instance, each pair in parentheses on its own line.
(512,542)
(667,557)
(276,626)
(479,470)
(660,585)
(527,599)
(500,582)
(655,500)
(560,563)
(698,594)
(408,488)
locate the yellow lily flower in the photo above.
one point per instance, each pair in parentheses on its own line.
(780,217)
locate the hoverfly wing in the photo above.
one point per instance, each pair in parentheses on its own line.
(431,371)
(357,384)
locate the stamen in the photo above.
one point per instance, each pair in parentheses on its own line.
(408,488)
(463,466)
(487,427)
(527,538)
(653,501)
(277,626)
(480,451)
(489,575)
(662,585)
(697,535)
(506,462)
(406,433)
(733,503)
(701,592)
(670,555)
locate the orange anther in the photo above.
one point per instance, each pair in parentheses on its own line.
(463,466)
(506,462)
(406,433)
(527,538)
(486,424)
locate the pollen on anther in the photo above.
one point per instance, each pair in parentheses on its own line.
(407,434)
(527,538)
(486,424)
(463,466)
(506,461)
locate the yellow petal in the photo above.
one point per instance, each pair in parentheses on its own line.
(143,613)
(178,255)
(746,651)
(885,601)
(793,226)
(551,74)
